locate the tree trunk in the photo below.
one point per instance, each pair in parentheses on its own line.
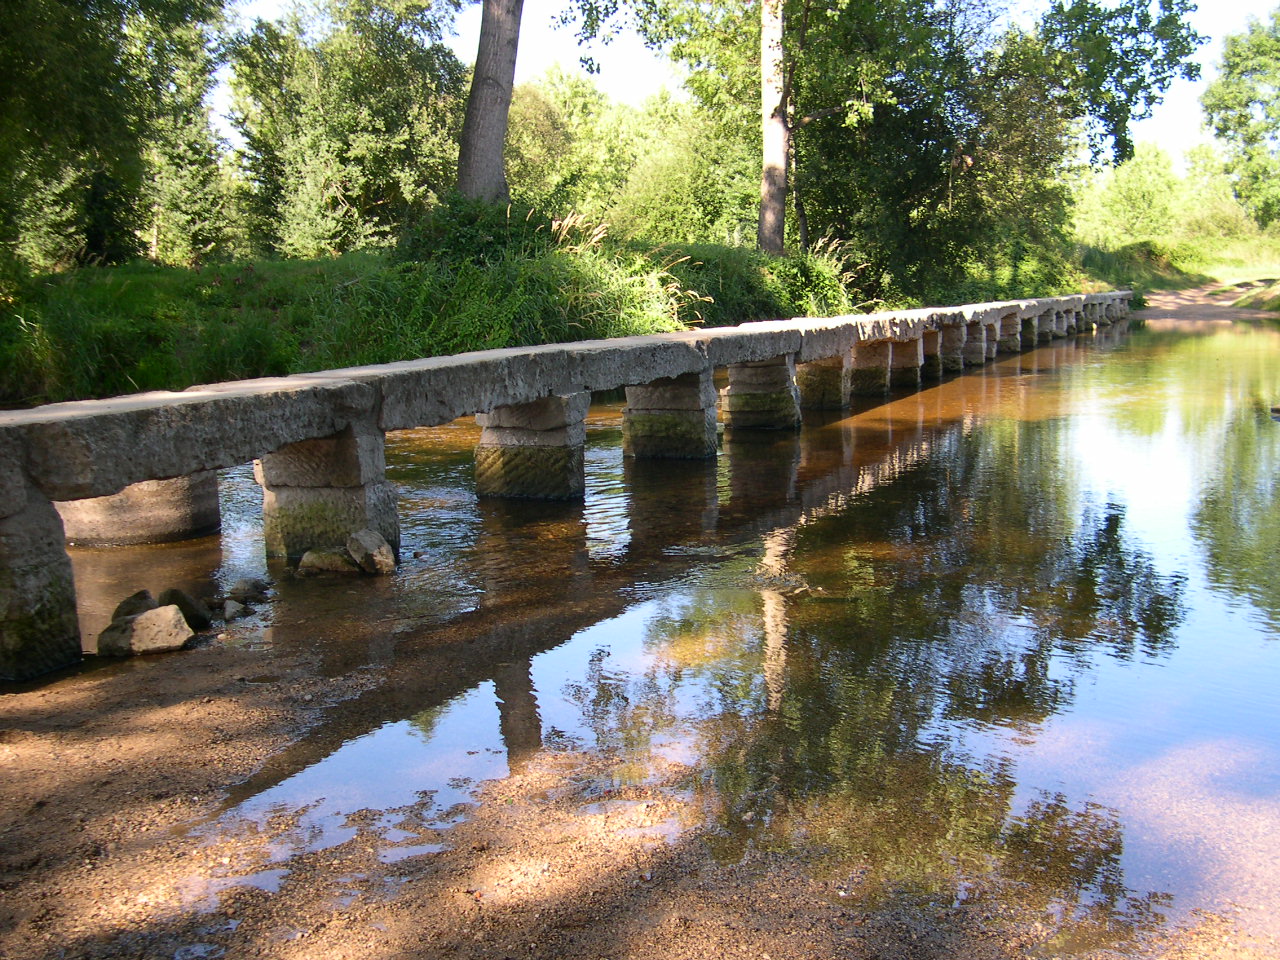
(481,175)
(775,132)
(797,200)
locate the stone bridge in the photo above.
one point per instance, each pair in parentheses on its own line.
(317,439)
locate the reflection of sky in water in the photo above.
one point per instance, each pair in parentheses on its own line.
(444,752)
(240,499)
(605,508)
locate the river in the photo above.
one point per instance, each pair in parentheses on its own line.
(1012,638)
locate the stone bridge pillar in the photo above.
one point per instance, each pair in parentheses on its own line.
(39,631)
(953,339)
(824,384)
(533,450)
(870,374)
(975,343)
(316,493)
(905,360)
(1059,324)
(1044,327)
(992,330)
(931,347)
(1029,333)
(1010,334)
(673,418)
(762,395)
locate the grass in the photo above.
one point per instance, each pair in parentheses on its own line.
(1258,295)
(105,331)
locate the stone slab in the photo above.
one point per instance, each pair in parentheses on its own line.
(153,511)
(545,413)
(94,448)
(530,472)
(348,459)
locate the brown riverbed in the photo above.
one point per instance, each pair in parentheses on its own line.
(126,825)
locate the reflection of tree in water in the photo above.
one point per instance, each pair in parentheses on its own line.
(1238,518)
(971,591)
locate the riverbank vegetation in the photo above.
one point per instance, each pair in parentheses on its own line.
(140,249)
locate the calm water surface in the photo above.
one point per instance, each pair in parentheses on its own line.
(1021,627)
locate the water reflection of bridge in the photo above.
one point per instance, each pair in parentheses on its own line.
(318,439)
(540,588)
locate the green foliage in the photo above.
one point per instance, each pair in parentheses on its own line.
(1243,107)
(186,201)
(1117,60)
(76,111)
(350,117)
(460,228)
(1142,225)
(693,181)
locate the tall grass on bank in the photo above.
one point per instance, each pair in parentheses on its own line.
(106,331)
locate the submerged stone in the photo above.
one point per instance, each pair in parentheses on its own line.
(326,560)
(134,604)
(196,613)
(371,552)
(154,631)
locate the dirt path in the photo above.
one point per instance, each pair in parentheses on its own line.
(109,779)
(1205,306)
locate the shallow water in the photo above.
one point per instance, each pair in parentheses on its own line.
(1019,628)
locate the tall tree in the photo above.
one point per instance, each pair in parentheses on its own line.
(185,199)
(73,113)
(1117,60)
(775,128)
(481,174)
(1243,108)
(349,123)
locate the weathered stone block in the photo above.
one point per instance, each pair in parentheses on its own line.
(371,552)
(762,377)
(1044,327)
(868,381)
(155,631)
(347,459)
(761,411)
(762,395)
(1028,334)
(824,384)
(530,471)
(1010,340)
(953,340)
(975,344)
(869,376)
(93,448)
(669,434)
(319,560)
(295,519)
(905,358)
(573,435)
(690,392)
(544,414)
